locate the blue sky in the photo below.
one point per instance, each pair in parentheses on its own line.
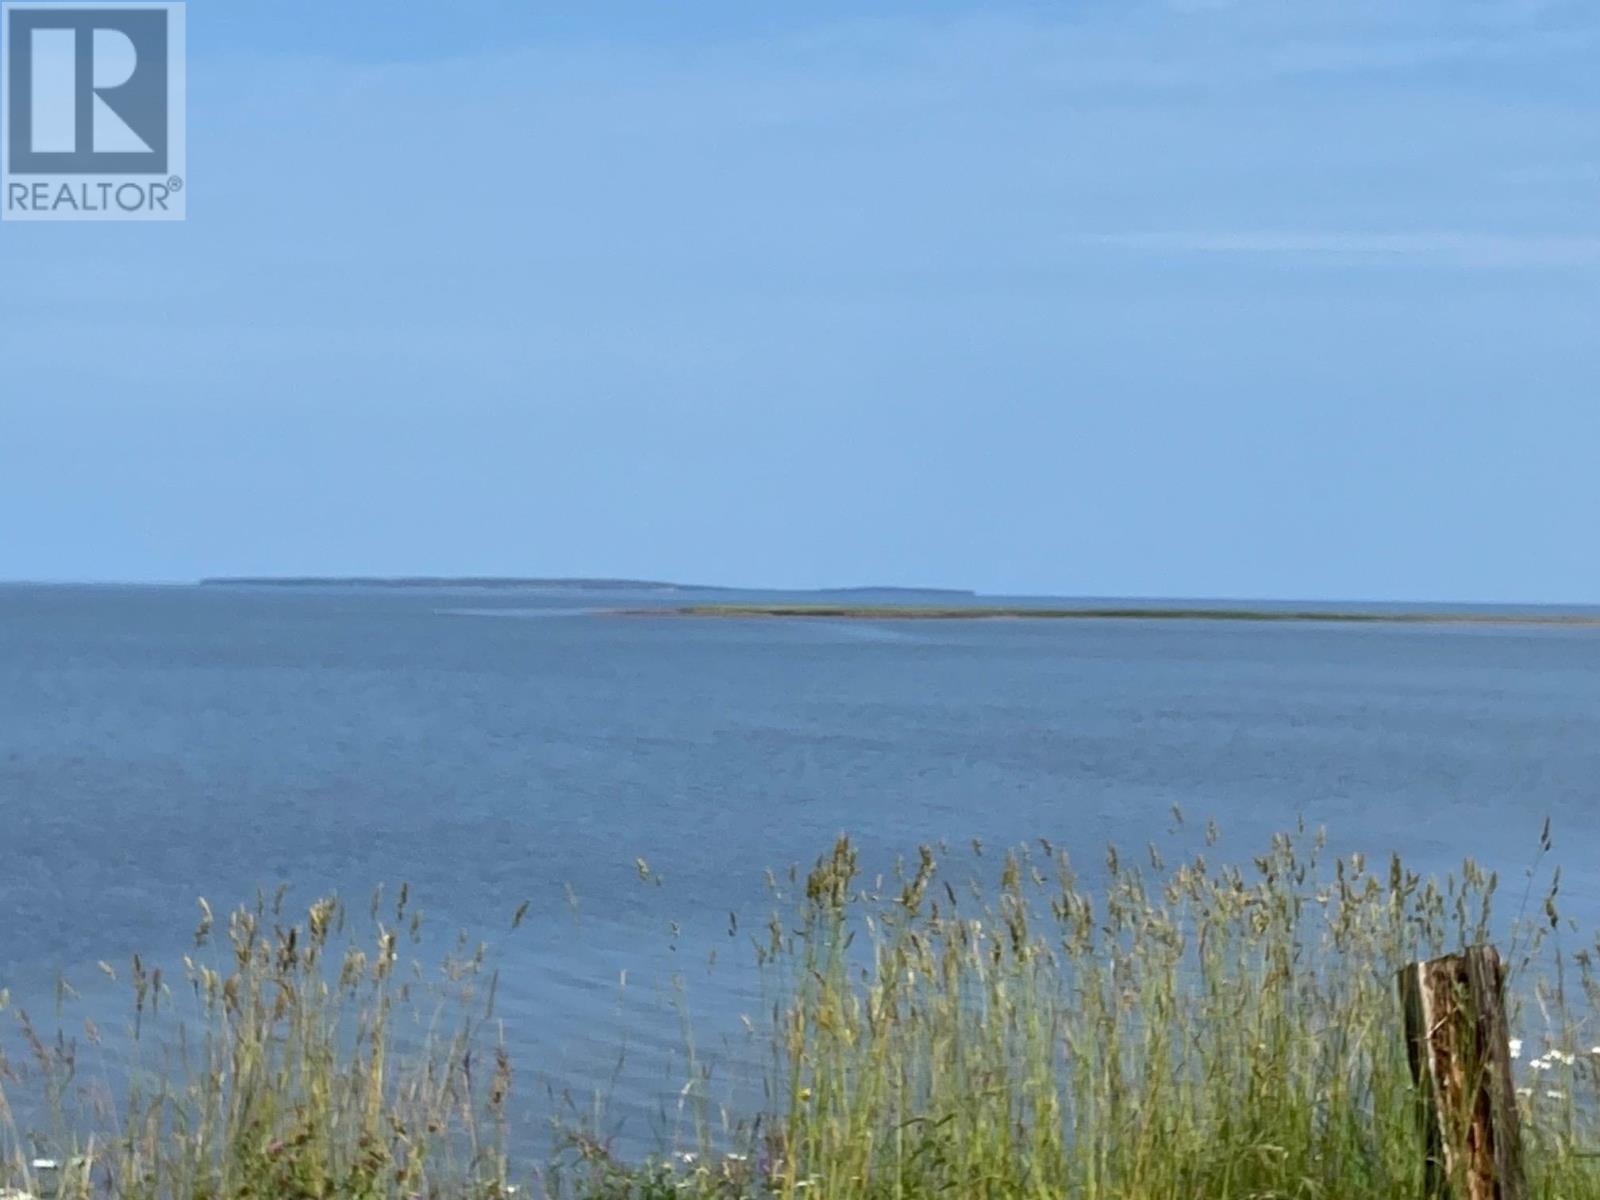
(1190,298)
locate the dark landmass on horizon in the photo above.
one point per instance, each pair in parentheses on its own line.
(915,612)
(453,581)
(559,582)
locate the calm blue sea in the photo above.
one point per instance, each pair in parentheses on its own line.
(159,744)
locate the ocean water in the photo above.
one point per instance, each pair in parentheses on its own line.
(159,744)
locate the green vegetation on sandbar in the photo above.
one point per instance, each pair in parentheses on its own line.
(974,612)
(971,1025)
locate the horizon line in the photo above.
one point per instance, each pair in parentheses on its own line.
(423,581)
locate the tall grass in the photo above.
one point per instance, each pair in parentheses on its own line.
(309,1061)
(997,1028)
(1178,1032)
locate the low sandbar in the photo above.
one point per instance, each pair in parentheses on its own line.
(984,612)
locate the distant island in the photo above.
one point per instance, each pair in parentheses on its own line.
(450,581)
(974,612)
(577,584)
(463,581)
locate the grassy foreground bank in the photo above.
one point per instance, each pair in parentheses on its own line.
(991,1027)
(976,612)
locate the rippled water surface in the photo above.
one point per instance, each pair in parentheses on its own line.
(159,744)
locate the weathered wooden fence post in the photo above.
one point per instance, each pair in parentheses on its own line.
(1460,1053)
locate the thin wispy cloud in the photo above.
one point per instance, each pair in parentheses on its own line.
(1455,248)
(1335,57)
